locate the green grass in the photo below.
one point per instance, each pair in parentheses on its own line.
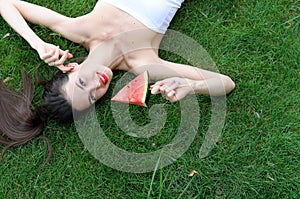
(257,43)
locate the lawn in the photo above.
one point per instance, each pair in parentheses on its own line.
(256,43)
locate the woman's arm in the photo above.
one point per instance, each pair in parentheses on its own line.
(178,80)
(199,80)
(70,28)
(15,13)
(15,19)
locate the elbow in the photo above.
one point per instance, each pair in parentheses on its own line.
(229,84)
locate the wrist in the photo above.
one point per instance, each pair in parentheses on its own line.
(36,44)
(196,86)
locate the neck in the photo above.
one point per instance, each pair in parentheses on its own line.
(105,53)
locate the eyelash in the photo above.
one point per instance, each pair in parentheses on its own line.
(81,82)
(93,97)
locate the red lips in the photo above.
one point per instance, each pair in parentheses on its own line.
(102,77)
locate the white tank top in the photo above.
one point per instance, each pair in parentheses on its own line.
(155,14)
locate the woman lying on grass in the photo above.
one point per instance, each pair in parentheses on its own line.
(119,35)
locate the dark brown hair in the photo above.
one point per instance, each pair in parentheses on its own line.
(19,123)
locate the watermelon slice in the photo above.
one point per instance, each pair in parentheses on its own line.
(135,91)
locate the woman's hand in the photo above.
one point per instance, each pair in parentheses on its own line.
(68,67)
(54,56)
(173,89)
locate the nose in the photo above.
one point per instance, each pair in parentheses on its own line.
(93,86)
(98,84)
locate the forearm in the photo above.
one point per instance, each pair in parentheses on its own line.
(203,81)
(13,17)
(176,88)
(217,86)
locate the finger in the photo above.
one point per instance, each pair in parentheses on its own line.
(53,56)
(155,89)
(172,98)
(70,67)
(63,58)
(56,53)
(62,52)
(164,89)
(65,69)
(171,93)
(70,55)
(51,60)
(173,86)
(52,64)
(46,55)
(62,68)
(73,64)
(159,83)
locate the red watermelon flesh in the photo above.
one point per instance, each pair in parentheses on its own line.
(135,91)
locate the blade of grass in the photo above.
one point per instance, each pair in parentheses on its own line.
(152,180)
(186,188)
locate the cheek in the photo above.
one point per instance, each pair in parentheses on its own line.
(100,92)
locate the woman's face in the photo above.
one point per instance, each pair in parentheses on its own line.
(86,85)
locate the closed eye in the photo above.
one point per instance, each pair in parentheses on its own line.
(81,82)
(93,97)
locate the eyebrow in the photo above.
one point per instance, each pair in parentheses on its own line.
(89,97)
